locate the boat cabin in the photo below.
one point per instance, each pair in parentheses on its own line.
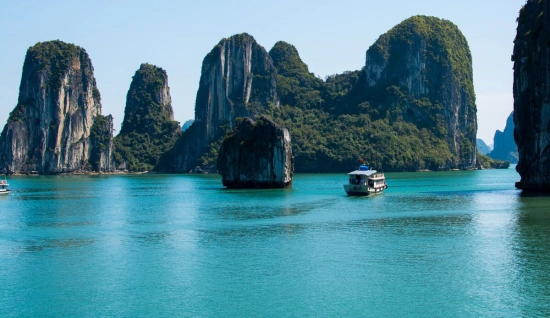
(365,181)
(364,176)
(4,187)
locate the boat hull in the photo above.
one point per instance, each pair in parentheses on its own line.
(362,190)
(5,192)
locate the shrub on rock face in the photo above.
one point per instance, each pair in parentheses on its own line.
(256,155)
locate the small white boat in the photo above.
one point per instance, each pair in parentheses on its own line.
(365,181)
(4,187)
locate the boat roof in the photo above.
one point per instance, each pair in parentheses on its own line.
(362,172)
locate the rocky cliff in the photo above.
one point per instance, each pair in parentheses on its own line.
(256,155)
(504,145)
(187,124)
(531,59)
(102,145)
(412,107)
(148,129)
(421,72)
(482,147)
(238,79)
(49,129)
(296,86)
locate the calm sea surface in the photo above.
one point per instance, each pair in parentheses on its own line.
(435,244)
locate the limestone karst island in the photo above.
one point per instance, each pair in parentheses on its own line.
(411,181)
(411,107)
(532,95)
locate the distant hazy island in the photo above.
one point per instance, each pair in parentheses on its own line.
(411,107)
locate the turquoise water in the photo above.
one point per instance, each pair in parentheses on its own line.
(435,244)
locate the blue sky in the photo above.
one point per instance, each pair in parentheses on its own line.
(331,37)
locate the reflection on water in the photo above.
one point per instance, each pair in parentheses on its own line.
(434,244)
(151,237)
(259,210)
(532,253)
(419,226)
(60,224)
(41,245)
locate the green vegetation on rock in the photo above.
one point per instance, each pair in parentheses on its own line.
(296,86)
(487,162)
(482,147)
(335,123)
(148,129)
(434,56)
(54,58)
(209,158)
(100,138)
(411,107)
(327,143)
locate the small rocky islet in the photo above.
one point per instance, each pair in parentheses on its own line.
(411,107)
(256,155)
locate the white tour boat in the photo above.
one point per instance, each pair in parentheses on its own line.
(365,181)
(4,187)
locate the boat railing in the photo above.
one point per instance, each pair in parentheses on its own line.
(377,175)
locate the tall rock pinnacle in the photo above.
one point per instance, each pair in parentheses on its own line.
(238,79)
(425,66)
(148,129)
(532,95)
(49,129)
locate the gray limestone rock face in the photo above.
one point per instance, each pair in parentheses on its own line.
(101,144)
(237,80)
(48,131)
(256,155)
(532,95)
(148,100)
(424,67)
